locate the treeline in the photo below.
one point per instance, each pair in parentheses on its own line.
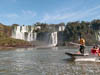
(5,31)
(88,30)
(48,27)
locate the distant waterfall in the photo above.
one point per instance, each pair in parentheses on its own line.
(49,39)
(24,33)
(53,39)
(27,33)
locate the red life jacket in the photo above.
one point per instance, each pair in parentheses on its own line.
(93,51)
(99,51)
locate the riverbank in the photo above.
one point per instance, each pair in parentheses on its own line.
(13,48)
(10,43)
(6,48)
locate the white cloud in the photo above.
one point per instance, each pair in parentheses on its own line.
(23,17)
(9,16)
(12,16)
(23,14)
(70,16)
(55,17)
(28,13)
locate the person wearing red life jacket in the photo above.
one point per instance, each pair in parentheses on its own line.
(99,52)
(95,50)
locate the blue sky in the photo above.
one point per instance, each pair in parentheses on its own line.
(28,12)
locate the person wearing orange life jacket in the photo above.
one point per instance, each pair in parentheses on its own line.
(82,45)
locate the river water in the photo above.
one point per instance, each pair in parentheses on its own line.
(44,61)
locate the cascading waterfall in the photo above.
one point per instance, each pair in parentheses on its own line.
(24,33)
(49,39)
(27,33)
(31,36)
(53,39)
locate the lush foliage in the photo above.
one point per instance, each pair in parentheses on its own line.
(47,27)
(10,42)
(87,30)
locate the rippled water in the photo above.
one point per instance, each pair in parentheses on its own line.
(47,61)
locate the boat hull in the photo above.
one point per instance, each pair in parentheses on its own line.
(85,57)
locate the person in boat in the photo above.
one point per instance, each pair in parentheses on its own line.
(82,45)
(99,52)
(95,50)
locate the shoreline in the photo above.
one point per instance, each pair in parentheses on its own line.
(4,48)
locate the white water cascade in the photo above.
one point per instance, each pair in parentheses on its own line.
(27,33)
(48,39)
(24,33)
(54,39)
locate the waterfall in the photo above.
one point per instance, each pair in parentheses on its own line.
(27,33)
(48,39)
(24,33)
(31,36)
(53,39)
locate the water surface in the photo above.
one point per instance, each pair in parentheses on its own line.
(44,61)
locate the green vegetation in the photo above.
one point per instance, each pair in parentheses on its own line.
(10,42)
(87,30)
(5,31)
(47,27)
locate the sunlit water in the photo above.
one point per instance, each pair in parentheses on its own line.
(45,61)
